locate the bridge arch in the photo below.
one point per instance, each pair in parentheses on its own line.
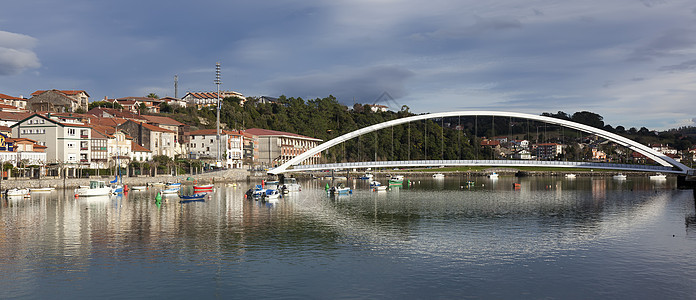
(656,156)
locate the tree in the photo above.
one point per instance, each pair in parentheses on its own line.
(142,108)
(588,118)
(152,95)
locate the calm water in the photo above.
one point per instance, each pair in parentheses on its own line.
(553,238)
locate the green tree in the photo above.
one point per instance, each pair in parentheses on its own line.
(152,95)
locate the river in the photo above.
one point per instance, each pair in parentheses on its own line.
(557,238)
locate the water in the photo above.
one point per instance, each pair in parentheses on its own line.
(588,238)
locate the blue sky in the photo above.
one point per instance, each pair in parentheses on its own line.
(633,62)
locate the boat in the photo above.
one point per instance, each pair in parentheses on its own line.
(396,179)
(170,191)
(194,196)
(570,176)
(367,176)
(493,175)
(192,200)
(291,185)
(658,177)
(95,188)
(338,190)
(620,176)
(203,187)
(379,188)
(17,192)
(438,176)
(139,188)
(173,185)
(42,189)
(272,195)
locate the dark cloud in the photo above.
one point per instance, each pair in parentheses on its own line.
(685,66)
(665,45)
(365,85)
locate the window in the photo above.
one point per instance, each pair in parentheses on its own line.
(71,145)
(71,131)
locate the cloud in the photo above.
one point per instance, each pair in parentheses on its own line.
(16,54)
(669,43)
(685,66)
(365,85)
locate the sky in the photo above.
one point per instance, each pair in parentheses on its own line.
(631,61)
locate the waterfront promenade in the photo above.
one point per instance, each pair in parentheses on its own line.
(231,175)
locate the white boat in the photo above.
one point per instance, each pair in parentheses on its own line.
(340,190)
(367,176)
(42,189)
(620,176)
(570,176)
(173,185)
(658,177)
(139,188)
(17,192)
(438,176)
(493,175)
(272,195)
(173,190)
(95,188)
(379,188)
(292,185)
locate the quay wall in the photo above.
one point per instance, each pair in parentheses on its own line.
(231,175)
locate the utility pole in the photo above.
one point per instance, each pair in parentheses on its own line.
(217,82)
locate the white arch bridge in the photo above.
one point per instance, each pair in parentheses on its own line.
(666,163)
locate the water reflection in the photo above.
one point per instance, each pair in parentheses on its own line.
(488,222)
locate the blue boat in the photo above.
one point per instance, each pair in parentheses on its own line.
(193,197)
(192,200)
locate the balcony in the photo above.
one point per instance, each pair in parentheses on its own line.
(84,148)
(84,136)
(83,160)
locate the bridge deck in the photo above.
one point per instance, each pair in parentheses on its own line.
(495,163)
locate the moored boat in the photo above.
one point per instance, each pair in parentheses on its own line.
(17,192)
(42,189)
(620,176)
(95,188)
(570,176)
(658,177)
(138,188)
(170,191)
(367,176)
(438,176)
(203,187)
(194,196)
(493,175)
(396,179)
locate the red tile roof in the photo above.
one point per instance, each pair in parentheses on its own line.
(137,148)
(8,97)
(213,132)
(66,92)
(162,120)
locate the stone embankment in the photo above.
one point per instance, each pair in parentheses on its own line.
(232,175)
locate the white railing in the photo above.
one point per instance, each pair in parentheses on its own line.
(497,163)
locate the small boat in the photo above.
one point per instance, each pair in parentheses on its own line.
(658,177)
(194,196)
(493,175)
(367,176)
(620,176)
(291,185)
(139,188)
(95,188)
(396,179)
(379,188)
(203,187)
(570,176)
(42,189)
(17,192)
(173,185)
(170,191)
(438,176)
(272,195)
(340,190)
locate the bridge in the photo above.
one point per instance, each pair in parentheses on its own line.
(666,163)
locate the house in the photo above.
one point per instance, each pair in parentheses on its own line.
(67,142)
(140,153)
(100,112)
(170,124)
(156,139)
(28,151)
(17,102)
(10,118)
(251,149)
(522,154)
(378,108)
(173,101)
(58,101)
(133,104)
(548,150)
(598,155)
(205,99)
(277,147)
(203,144)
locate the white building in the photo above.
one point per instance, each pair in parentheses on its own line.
(203,145)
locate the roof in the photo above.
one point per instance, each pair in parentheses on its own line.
(135,147)
(268,132)
(14,116)
(152,127)
(66,92)
(161,120)
(8,97)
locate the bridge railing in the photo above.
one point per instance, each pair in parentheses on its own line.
(435,163)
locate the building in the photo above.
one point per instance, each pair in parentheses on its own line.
(203,145)
(173,101)
(549,150)
(251,149)
(17,102)
(133,104)
(58,101)
(156,139)
(522,154)
(10,118)
(168,123)
(277,147)
(67,142)
(205,99)
(379,108)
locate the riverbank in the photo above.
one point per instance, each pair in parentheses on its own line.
(232,175)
